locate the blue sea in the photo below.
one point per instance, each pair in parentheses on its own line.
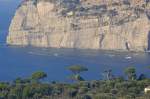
(18,61)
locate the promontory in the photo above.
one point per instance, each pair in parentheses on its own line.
(82,24)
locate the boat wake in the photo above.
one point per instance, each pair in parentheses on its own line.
(128,57)
(43,54)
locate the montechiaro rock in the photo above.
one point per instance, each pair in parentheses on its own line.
(83,24)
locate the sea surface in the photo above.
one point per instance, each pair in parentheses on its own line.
(16,61)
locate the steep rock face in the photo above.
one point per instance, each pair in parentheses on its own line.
(72,24)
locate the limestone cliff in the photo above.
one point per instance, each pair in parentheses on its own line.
(115,25)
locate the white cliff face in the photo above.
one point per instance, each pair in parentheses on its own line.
(49,24)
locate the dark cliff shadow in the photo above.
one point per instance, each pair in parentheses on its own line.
(148,41)
(127,46)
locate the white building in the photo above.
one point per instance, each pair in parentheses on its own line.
(147,89)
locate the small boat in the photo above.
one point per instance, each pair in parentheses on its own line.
(128,57)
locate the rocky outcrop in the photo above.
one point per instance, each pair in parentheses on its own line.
(75,24)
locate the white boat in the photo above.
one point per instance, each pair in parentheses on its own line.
(128,57)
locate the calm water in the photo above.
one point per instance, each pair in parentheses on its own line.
(21,62)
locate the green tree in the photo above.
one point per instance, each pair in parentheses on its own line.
(27,92)
(131,73)
(16,92)
(76,70)
(108,75)
(4,86)
(38,75)
(76,77)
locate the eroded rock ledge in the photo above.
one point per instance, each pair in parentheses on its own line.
(84,24)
